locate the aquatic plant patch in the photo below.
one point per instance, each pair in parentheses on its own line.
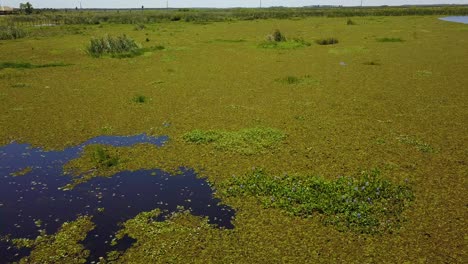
(292,80)
(418,144)
(181,234)
(27,65)
(364,204)
(390,40)
(246,141)
(287,44)
(63,247)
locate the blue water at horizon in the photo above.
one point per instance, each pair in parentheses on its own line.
(457,19)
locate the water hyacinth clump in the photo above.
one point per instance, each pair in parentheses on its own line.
(114,46)
(364,204)
(247,141)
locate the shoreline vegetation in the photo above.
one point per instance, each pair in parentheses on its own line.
(135,16)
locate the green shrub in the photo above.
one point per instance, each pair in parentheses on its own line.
(365,204)
(11,32)
(119,46)
(246,141)
(328,41)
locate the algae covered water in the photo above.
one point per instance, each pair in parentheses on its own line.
(37,200)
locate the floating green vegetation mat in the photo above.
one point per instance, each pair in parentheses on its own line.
(418,144)
(62,247)
(246,141)
(169,241)
(390,40)
(365,204)
(27,65)
(117,47)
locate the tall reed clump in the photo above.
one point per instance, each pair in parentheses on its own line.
(120,46)
(11,32)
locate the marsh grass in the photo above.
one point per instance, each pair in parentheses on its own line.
(418,144)
(27,65)
(364,204)
(390,40)
(102,159)
(246,141)
(117,47)
(11,32)
(327,41)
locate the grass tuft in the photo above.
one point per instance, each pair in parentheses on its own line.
(246,141)
(140,99)
(371,63)
(328,41)
(350,22)
(365,204)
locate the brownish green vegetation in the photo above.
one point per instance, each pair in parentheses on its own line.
(312,116)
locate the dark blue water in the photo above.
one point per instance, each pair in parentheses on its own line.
(38,195)
(457,19)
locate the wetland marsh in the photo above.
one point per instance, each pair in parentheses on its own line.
(333,141)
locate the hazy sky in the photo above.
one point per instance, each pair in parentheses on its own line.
(215,3)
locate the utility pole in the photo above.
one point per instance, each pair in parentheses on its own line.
(167,4)
(361,3)
(260,3)
(81,7)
